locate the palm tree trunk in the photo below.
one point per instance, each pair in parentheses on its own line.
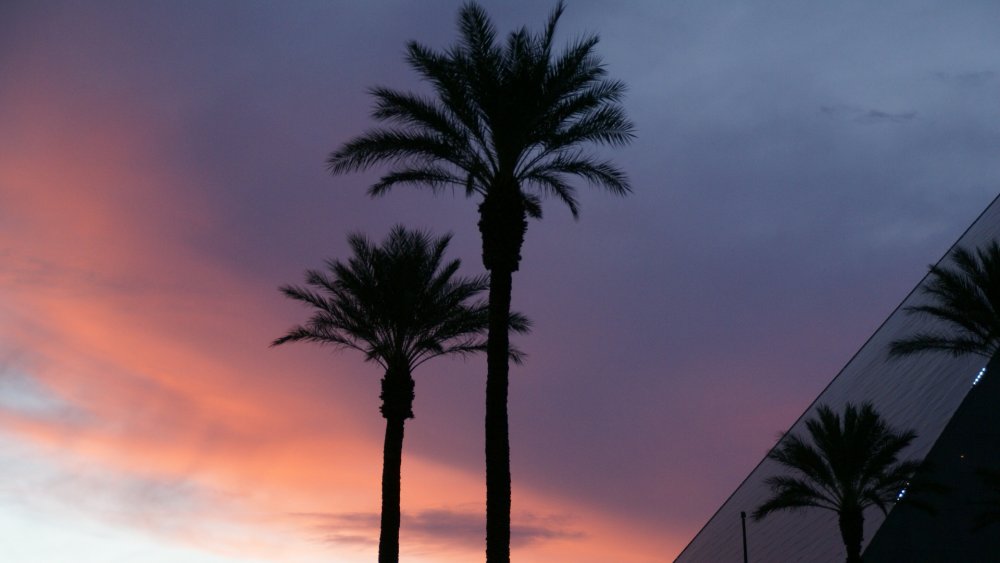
(502,224)
(392,460)
(498,495)
(852,524)
(397,406)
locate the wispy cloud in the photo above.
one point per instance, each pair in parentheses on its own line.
(50,482)
(23,395)
(456,526)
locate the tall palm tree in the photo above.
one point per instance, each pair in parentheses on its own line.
(506,123)
(851,464)
(400,304)
(966,299)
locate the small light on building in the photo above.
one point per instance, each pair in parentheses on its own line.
(979,376)
(901,494)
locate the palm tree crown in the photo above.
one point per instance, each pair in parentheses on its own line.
(398,303)
(507,117)
(852,463)
(966,299)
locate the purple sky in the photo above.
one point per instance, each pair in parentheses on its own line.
(797,166)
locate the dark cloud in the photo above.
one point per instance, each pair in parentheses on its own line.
(863,115)
(439,527)
(972,79)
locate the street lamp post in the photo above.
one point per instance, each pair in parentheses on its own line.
(743,518)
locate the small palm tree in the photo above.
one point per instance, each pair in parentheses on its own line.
(507,123)
(400,305)
(966,300)
(851,465)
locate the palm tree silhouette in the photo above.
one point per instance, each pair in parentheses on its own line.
(400,304)
(506,123)
(966,299)
(851,464)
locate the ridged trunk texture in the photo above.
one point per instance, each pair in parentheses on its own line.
(392,459)
(502,225)
(397,406)
(498,492)
(852,524)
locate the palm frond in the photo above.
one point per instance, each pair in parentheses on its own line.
(920,343)
(435,177)
(606,125)
(792,494)
(551,182)
(597,172)
(964,299)
(392,146)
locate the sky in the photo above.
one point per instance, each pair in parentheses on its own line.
(796,168)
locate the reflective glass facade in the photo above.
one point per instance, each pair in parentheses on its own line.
(920,392)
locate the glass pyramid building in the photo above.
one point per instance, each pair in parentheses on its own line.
(953,404)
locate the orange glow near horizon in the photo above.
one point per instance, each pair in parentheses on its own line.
(152,368)
(150,393)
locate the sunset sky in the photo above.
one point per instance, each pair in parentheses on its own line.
(797,166)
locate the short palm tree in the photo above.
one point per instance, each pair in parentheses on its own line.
(966,300)
(506,123)
(400,304)
(852,463)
